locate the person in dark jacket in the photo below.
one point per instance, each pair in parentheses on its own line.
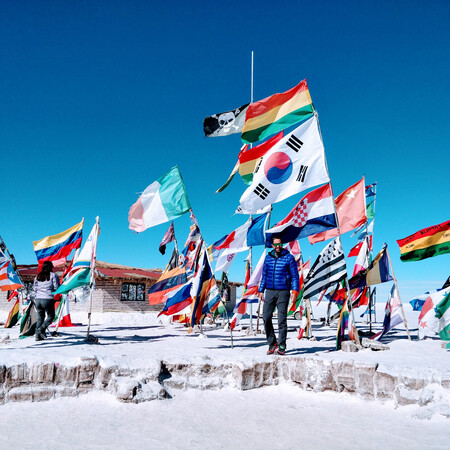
(280,281)
(45,284)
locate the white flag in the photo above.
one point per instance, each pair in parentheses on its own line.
(84,257)
(295,163)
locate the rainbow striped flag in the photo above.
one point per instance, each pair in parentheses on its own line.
(57,248)
(431,241)
(276,113)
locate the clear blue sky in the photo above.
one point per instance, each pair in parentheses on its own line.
(99,99)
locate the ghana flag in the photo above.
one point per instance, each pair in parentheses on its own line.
(431,241)
(276,113)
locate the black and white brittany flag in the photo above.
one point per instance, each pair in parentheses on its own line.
(223,124)
(328,269)
(295,163)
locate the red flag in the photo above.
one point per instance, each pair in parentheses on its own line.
(355,250)
(351,211)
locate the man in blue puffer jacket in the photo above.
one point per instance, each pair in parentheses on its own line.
(280,280)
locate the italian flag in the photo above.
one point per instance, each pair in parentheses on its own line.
(276,113)
(443,314)
(162,201)
(431,241)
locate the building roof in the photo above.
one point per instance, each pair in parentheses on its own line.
(103,269)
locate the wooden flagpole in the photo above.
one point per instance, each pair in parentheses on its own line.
(398,295)
(338,228)
(92,280)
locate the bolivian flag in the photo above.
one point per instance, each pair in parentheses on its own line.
(431,241)
(13,315)
(276,113)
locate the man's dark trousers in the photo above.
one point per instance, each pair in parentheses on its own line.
(279,299)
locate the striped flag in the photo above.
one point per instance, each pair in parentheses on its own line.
(276,113)
(167,282)
(328,269)
(57,248)
(377,272)
(163,200)
(8,278)
(13,315)
(431,241)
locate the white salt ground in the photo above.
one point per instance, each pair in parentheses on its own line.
(275,417)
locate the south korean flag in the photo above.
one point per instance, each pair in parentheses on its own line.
(294,164)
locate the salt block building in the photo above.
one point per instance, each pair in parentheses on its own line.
(118,288)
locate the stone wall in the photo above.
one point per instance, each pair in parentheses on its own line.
(43,381)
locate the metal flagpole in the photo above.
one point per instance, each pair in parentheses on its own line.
(339,230)
(92,281)
(307,301)
(398,295)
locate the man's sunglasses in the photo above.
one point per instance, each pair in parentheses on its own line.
(277,245)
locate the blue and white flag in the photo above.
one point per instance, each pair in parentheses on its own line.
(294,164)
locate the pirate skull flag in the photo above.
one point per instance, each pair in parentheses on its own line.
(226,123)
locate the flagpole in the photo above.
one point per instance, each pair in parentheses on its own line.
(92,280)
(398,295)
(259,302)
(307,301)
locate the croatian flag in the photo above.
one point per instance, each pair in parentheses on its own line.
(313,214)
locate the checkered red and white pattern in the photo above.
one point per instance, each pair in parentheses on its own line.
(300,216)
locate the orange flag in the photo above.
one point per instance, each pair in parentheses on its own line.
(351,211)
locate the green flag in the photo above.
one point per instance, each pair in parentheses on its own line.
(369,211)
(443,314)
(80,278)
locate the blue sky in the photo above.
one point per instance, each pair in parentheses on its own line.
(99,99)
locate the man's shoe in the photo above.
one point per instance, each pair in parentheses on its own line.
(39,337)
(281,350)
(272,349)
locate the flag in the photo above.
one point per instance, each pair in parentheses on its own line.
(362,261)
(13,316)
(177,300)
(201,285)
(328,269)
(294,164)
(226,123)
(85,257)
(443,314)
(189,255)
(391,314)
(295,303)
(167,282)
(28,321)
(163,200)
(224,262)
(431,241)
(277,112)
(371,190)
(312,214)
(173,261)
(3,257)
(355,250)
(248,159)
(428,322)
(366,231)
(342,325)
(363,298)
(57,248)
(377,272)
(370,210)
(8,277)
(351,211)
(256,233)
(168,237)
(80,277)
(62,314)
